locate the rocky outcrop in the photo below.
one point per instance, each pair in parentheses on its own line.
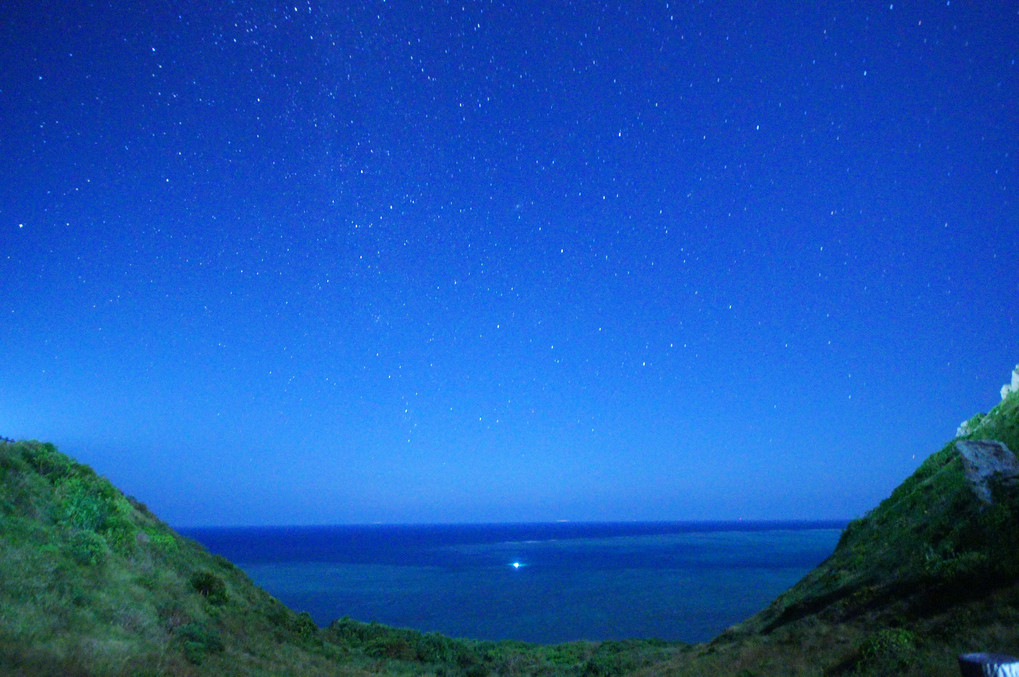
(1012,387)
(967,427)
(984,460)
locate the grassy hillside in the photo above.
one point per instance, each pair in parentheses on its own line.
(928,574)
(91,583)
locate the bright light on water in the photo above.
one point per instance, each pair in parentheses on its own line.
(685,585)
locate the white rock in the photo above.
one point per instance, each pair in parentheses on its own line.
(1005,390)
(963,429)
(984,459)
(1015,379)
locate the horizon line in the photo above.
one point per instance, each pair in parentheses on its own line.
(834,521)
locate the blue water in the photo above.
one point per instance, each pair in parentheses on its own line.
(533,582)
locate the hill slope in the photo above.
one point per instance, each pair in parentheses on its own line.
(931,572)
(91,583)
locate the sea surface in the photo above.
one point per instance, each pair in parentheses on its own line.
(546,583)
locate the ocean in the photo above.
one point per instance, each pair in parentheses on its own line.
(546,583)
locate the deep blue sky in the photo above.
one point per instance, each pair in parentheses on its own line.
(506,261)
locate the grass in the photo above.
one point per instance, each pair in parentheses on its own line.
(91,583)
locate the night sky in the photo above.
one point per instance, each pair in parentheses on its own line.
(391,261)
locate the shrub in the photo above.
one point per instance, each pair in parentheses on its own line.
(347,631)
(46,460)
(621,657)
(198,640)
(303,627)
(82,508)
(303,624)
(394,647)
(210,586)
(139,506)
(435,648)
(119,529)
(88,548)
(887,651)
(224,563)
(161,540)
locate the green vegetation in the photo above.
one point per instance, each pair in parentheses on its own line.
(930,573)
(91,583)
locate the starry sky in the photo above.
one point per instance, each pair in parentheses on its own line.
(431,261)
